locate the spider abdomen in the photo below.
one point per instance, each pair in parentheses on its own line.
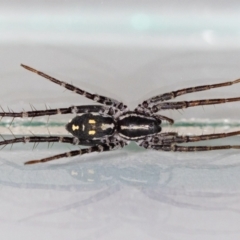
(134,126)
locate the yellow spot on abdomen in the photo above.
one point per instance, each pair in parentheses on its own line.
(91,121)
(91,132)
(75,127)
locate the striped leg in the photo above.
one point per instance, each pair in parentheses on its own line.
(149,103)
(187,104)
(176,148)
(97,98)
(163,118)
(204,137)
(72,109)
(169,138)
(167,142)
(97,148)
(40,139)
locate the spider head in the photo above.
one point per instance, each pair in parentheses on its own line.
(89,126)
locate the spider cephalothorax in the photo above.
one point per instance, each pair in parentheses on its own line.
(112,125)
(90,126)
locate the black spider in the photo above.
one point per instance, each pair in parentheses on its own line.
(112,125)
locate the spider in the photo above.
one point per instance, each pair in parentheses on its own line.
(112,125)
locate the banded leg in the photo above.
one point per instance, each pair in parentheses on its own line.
(169,138)
(97,98)
(97,145)
(42,139)
(97,148)
(72,109)
(171,95)
(161,117)
(187,104)
(176,148)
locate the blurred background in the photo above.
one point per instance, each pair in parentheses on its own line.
(128,50)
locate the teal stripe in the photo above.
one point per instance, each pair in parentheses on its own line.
(137,22)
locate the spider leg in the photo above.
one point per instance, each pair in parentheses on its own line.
(169,138)
(97,148)
(97,98)
(49,139)
(96,145)
(186,104)
(161,117)
(72,109)
(176,148)
(171,95)
(167,142)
